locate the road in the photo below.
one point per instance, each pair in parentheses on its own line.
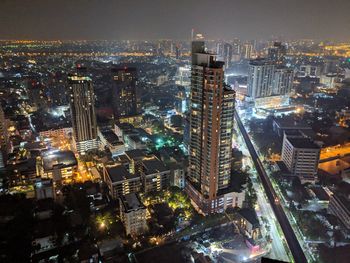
(291,238)
(278,251)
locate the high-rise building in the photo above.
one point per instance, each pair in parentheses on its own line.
(81,97)
(126,103)
(266,79)
(277,52)
(260,78)
(227,55)
(248,50)
(283,81)
(3,138)
(211,128)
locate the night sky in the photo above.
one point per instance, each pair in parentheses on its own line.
(146,19)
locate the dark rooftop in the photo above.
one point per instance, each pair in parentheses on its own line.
(131,202)
(118,173)
(135,154)
(303,143)
(111,137)
(250,215)
(58,158)
(153,165)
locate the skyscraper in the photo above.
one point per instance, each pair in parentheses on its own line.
(277,52)
(266,78)
(81,98)
(211,128)
(3,138)
(248,50)
(260,78)
(125,99)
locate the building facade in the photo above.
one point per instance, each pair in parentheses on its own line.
(3,138)
(133,215)
(82,99)
(260,78)
(301,156)
(211,128)
(125,99)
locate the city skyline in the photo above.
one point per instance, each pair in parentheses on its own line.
(137,20)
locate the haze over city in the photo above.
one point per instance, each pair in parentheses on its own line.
(158,19)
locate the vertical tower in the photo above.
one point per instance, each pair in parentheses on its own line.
(81,98)
(277,52)
(3,138)
(125,97)
(260,78)
(211,128)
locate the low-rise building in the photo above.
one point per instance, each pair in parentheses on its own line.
(133,214)
(108,139)
(60,166)
(120,181)
(155,175)
(249,223)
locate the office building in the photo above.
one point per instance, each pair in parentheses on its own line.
(125,99)
(133,215)
(211,128)
(301,157)
(81,97)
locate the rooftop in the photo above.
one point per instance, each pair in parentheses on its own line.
(153,165)
(288,122)
(111,137)
(118,173)
(51,159)
(250,215)
(303,143)
(135,154)
(131,202)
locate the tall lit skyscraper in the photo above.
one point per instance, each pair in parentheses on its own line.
(211,128)
(3,138)
(260,78)
(81,98)
(125,99)
(266,78)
